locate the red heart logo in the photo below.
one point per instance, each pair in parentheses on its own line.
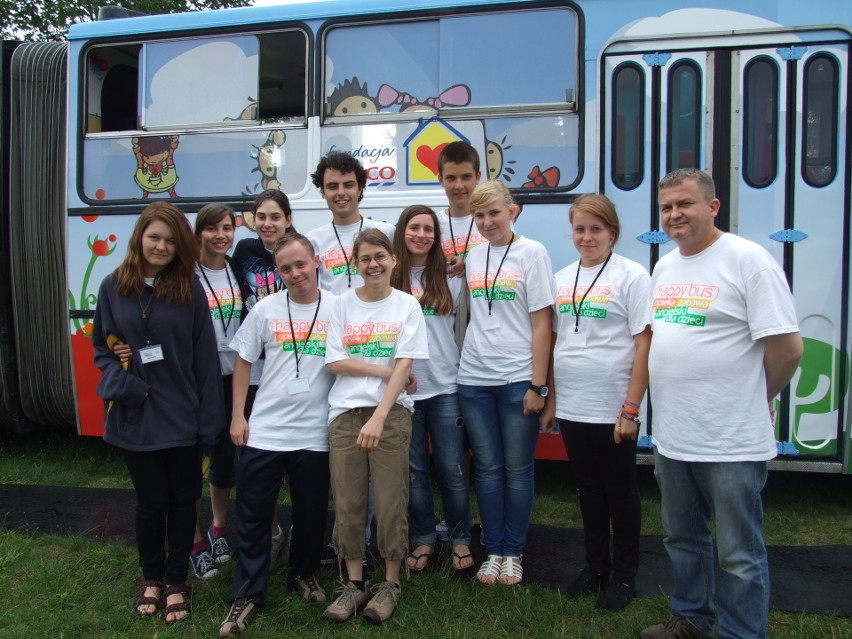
(428,157)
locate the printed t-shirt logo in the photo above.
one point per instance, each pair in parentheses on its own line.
(334,261)
(567,297)
(504,289)
(231,308)
(371,339)
(284,331)
(456,245)
(673,303)
(417,293)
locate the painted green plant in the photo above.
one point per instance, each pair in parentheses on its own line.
(99,248)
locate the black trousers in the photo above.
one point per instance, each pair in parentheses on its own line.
(609,495)
(166,483)
(259,476)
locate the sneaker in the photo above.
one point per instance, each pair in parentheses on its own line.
(202,565)
(673,628)
(615,596)
(309,589)
(219,547)
(277,545)
(442,531)
(350,599)
(243,611)
(329,554)
(383,603)
(587,582)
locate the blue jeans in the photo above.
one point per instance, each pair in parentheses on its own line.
(503,442)
(691,491)
(438,418)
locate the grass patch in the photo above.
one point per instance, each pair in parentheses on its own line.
(78,587)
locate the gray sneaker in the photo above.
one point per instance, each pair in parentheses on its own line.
(309,589)
(243,611)
(350,599)
(673,628)
(384,601)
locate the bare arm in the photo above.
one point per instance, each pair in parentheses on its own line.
(625,428)
(782,356)
(371,432)
(547,417)
(541,341)
(239,389)
(357,368)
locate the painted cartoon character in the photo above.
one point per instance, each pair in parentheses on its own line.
(269,159)
(457,95)
(494,160)
(248,113)
(155,164)
(351,98)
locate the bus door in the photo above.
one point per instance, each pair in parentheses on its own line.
(769,123)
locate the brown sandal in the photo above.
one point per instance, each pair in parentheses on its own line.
(181,606)
(147,600)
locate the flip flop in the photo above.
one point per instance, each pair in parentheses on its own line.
(417,559)
(458,559)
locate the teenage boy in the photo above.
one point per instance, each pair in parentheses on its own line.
(458,173)
(287,432)
(341,179)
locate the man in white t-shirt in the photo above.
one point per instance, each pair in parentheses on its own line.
(726,342)
(341,179)
(287,432)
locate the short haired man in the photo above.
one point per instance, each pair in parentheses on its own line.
(341,179)
(726,342)
(287,432)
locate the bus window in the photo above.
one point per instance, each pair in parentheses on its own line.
(819,120)
(202,82)
(684,116)
(628,120)
(760,122)
(494,63)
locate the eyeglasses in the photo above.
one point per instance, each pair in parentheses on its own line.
(380,258)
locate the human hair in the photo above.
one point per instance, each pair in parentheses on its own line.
(601,207)
(175,281)
(211,215)
(283,202)
(702,179)
(344,163)
(458,152)
(436,291)
(374,237)
(489,191)
(290,238)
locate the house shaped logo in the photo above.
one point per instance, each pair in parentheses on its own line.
(423,147)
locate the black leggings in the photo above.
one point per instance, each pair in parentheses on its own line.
(609,494)
(166,482)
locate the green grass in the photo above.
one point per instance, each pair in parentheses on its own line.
(76,587)
(57,587)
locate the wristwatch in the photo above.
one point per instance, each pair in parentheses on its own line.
(541,390)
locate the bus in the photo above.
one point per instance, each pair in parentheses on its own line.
(560,98)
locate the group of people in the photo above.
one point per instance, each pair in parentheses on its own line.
(340,358)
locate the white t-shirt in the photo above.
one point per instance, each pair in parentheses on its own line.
(463,232)
(437,375)
(334,254)
(499,350)
(376,333)
(281,419)
(226,306)
(592,366)
(708,385)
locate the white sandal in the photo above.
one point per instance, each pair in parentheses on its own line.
(511,569)
(490,570)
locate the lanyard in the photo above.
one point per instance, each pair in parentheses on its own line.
(583,299)
(453,237)
(310,330)
(347,257)
(146,314)
(216,299)
(488,297)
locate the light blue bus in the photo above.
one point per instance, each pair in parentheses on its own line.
(560,98)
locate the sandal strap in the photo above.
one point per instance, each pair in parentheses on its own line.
(512,568)
(178,589)
(491,567)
